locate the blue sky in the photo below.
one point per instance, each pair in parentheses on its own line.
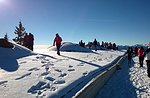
(125,22)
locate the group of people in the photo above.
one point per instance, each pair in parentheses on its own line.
(28,41)
(95,43)
(81,43)
(142,54)
(109,45)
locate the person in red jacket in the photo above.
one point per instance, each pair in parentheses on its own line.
(141,56)
(135,51)
(58,41)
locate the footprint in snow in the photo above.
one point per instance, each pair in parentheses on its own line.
(40,57)
(70,66)
(43,62)
(53,89)
(3,83)
(59,81)
(33,69)
(63,75)
(81,64)
(85,73)
(23,76)
(49,78)
(45,73)
(48,64)
(58,70)
(39,86)
(71,69)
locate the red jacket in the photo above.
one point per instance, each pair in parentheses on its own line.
(140,52)
(57,40)
(136,50)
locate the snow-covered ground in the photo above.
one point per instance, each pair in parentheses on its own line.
(45,74)
(24,74)
(129,82)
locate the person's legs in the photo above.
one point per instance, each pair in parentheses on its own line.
(148,67)
(141,61)
(58,49)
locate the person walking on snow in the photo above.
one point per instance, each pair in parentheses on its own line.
(129,53)
(95,44)
(57,41)
(148,61)
(141,56)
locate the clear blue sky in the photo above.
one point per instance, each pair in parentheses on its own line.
(125,22)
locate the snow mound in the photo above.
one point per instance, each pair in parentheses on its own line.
(16,52)
(71,47)
(9,56)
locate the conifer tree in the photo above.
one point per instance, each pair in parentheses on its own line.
(20,32)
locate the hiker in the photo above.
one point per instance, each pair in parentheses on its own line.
(31,41)
(95,44)
(58,41)
(148,60)
(129,53)
(141,55)
(82,44)
(26,40)
(135,51)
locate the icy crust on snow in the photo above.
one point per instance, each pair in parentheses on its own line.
(71,47)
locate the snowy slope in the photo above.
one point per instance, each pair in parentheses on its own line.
(9,57)
(46,74)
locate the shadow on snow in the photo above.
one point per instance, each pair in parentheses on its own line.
(119,85)
(9,65)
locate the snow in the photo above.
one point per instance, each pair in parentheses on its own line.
(129,82)
(71,47)
(24,74)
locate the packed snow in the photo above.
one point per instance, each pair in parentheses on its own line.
(24,74)
(129,82)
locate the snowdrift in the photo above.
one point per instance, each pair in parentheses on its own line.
(70,47)
(17,51)
(9,56)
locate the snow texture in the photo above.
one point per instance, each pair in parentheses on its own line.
(44,74)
